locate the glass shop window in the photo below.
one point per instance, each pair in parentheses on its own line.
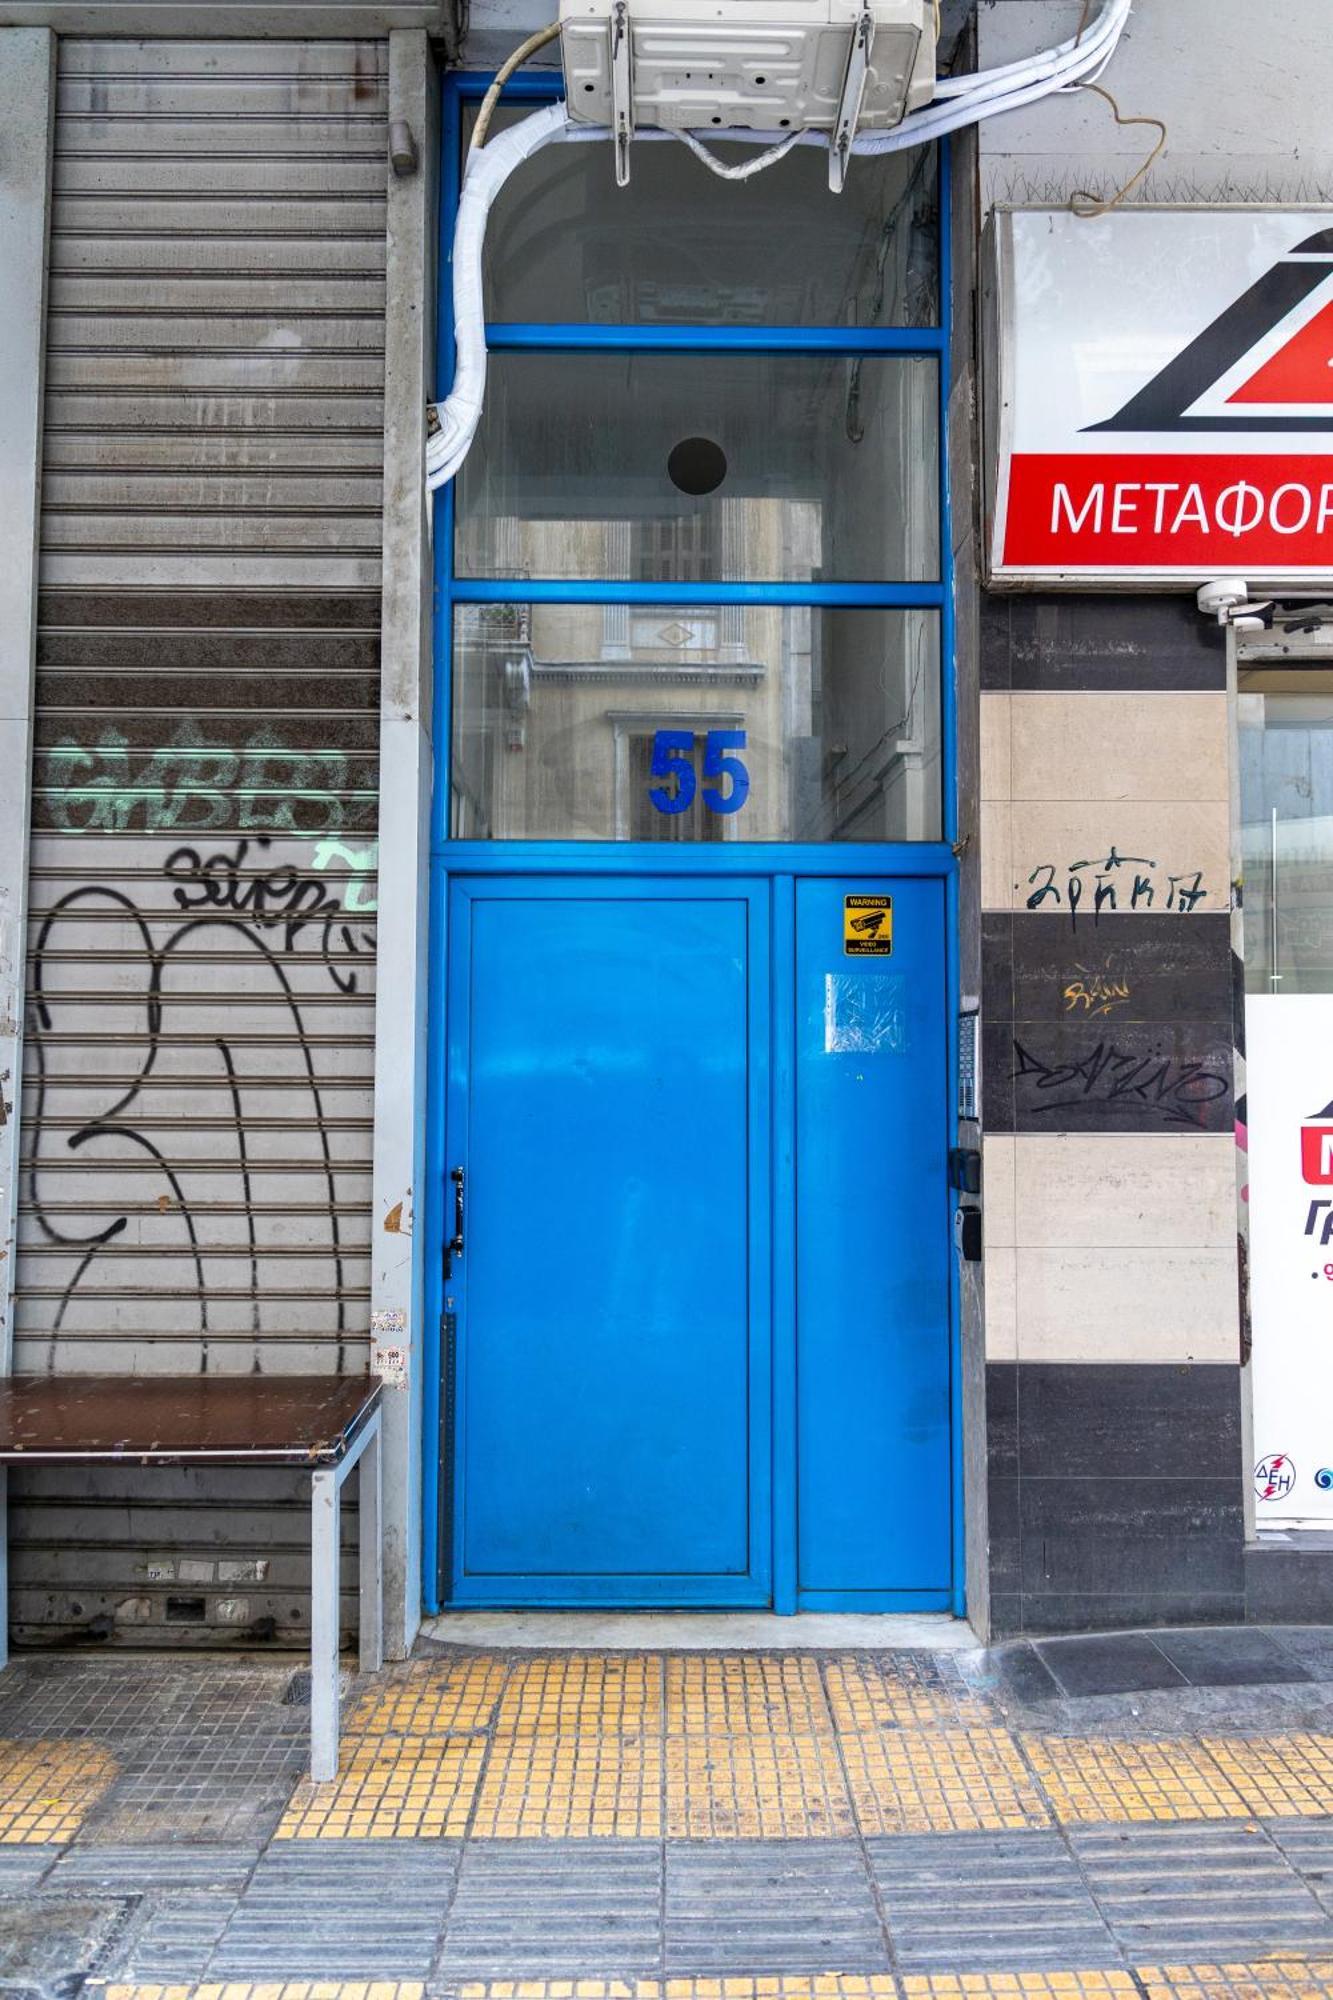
(1285,717)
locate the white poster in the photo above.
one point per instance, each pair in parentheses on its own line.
(1289,1092)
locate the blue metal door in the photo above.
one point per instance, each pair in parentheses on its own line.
(610,1109)
(693,694)
(872,1257)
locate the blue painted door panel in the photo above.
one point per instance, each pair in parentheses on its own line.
(872,1253)
(609,1100)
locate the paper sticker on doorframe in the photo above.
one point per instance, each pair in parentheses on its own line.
(867,926)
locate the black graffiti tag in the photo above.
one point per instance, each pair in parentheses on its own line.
(1177,1092)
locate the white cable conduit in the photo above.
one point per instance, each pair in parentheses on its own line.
(958,101)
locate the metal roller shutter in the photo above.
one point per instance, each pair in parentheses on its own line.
(200,1014)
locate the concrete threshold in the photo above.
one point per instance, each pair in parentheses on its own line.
(700,1631)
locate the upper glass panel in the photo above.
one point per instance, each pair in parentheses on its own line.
(679,247)
(704,468)
(695,723)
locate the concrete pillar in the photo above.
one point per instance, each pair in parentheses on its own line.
(399,1196)
(27,113)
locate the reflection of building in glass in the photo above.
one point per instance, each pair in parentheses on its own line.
(558,707)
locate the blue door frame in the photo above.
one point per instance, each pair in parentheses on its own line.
(786,863)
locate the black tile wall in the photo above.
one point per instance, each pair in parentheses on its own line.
(1124,1025)
(1115,1496)
(1125,1421)
(1097,642)
(1075,1076)
(1137,966)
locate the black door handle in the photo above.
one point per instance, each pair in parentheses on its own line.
(454,1247)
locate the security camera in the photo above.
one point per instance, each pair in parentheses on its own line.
(1223,598)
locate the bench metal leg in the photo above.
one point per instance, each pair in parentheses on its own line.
(324,1565)
(4,1565)
(371,1555)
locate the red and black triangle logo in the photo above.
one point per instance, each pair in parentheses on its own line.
(1298,373)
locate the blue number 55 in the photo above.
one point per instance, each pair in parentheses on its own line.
(673,750)
(718,765)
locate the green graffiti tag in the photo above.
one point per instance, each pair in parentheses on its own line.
(265,786)
(359,901)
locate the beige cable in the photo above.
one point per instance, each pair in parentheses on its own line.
(1086,205)
(502,76)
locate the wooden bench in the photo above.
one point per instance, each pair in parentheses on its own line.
(320,1424)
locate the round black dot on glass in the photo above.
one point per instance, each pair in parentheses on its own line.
(761,79)
(784,121)
(589,86)
(717,121)
(697,465)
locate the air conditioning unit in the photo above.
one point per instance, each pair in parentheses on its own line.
(763,65)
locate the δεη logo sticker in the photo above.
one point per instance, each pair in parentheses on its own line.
(1274,1477)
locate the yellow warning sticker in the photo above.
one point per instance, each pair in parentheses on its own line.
(867,926)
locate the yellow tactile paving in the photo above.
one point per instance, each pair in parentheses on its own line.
(1107,1781)
(898,1694)
(1278,1979)
(745,1694)
(616,1694)
(774,1786)
(574,1786)
(390,1788)
(1277,1776)
(429,1698)
(47,1788)
(1018,1985)
(940,1781)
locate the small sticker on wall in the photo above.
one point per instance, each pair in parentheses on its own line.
(867,926)
(390,1364)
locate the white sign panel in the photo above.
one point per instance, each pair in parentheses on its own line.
(1289,1090)
(1160,396)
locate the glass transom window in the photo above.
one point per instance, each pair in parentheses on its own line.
(695,556)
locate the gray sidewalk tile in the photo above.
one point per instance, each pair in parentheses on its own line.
(144,1870)
(1116,1663)
(1230,1656)
(1220,1891)
(552,1907)
(972,1901)
(771,1905)
(342,1909)
(177,1938)
(24,1867)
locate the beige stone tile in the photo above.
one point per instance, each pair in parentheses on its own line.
(997,1190)
(997,862)
(996,775)
(1119,746)
(1126,1305)
(1000,1273)
(1048,841)
(1153,1190)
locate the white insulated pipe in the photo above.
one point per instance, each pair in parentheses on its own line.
(959,101)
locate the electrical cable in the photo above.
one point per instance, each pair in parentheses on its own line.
(1088,206)
(543,36)
(958,101)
